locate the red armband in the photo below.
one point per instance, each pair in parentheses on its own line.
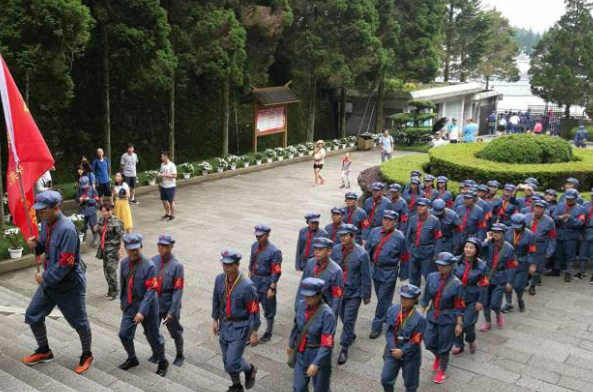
(416,338)
(438,235)
(483,282)
(405,257)
(337,292)
(458,229)
(532,248)
(512,264)
(327,340)
(276,268)
(552,234)
(159,285)
(482,224)
(403,218)
(151,283)
(459,303)
(450,204)
(178,284)
(581,217)
(488,216)
(253,307)
(365,224)
(67,259)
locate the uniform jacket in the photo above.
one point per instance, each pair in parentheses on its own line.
(503,209)
(411,199)
(401,207)
(265,265)
(445,298)
(375,210)
(139,284)
(424,236)
(500,262)
(236,302)
(304,250)
(571,229)
(474,279)
(524,245)
(357,270)
(588,226)
(332,231)
(386,252)
(357,217)
(409,328)
(473,222)
(545,234)
(450,223)
(446,196)
(321,332)
(333,276)
(170,282)
(430,194)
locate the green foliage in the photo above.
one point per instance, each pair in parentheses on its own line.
(420,105)
(526,39)
(588,128)
(527,149)
(411,136)
(460,161)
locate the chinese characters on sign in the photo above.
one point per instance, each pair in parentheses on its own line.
(271,120)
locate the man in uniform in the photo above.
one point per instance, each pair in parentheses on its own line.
(139,304)
(265,268)
(386,247)
(487,206)
(376,205)
(235,315)
(544,229)
(493,186)
(572,183)
(355,263)
(111,231)
(61,283)
(473,220)
(424,239)
(400,206)
(170,281)
(355,215)
(550,196)
(332,228)
(304,249)
(503,209)
(450,224)
(323,267)
(529,188)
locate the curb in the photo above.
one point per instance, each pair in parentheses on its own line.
(26,261)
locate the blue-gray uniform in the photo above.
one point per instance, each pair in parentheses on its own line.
(487,206)
(586,250)
(87,199)
(443,296)
(304,250)
(400,206)
(355,264)
(265,269)
(139,284)
(445,196)
(328,271)
(523,241)
(64,282)
(450,224)
(503,210)
(386,250)
(473,221)
(332,228)
(522,202)
(375,207)
(356,216)
(404,332)
(236,309)
(313,343)
(472,275)
(544,229)
(170,282)
(575,184)
(569,223)
(412,197)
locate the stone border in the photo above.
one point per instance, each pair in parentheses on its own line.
(26,261)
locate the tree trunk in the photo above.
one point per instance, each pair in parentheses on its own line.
(342,132)
(27,86)
(487,82)
(567,111)
(172,120)
(106,88)
(311,111)
(448,39)
(379,121)
(226,87)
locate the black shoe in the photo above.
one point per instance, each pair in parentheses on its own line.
(265,338)
(343,357)
(539,283)
(250,377)
(552,272)
(153,359)
(134,201)
(129,363)
(171,217)
(522,306)
(162,369)
(179,359)
(506,308)
(567,277)
(166,216)
(235,388)
(374,335)
(531,290)
(354,338)
(583,274)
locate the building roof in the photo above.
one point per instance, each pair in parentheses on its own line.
(444,92)
(278,95)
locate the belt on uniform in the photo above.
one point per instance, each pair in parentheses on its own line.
(167,291)
(263,274)
(234,319)
(312,346)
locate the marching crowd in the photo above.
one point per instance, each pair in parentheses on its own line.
(461,256)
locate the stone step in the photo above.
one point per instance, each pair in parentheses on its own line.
(10,383)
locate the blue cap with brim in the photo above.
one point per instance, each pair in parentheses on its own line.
(571,194)
(347,229)
(438,206)
(540,203)
(446,258)
(337,210)
(166,239)
(469,195)
(322,242)
(261,229)
(509,187)
(230,256)
(312,217)
(551,192)
(377,186)
(395,188)
(415,180)
(409,291)
(84,182)
(47,199)
(424,202)
(351,196)
(311,286)
(390,214)
(500,227)
(442,179)
(518,221)
(132,240)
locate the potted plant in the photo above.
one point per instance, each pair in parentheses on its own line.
(270,155)
(245,159)
(6,210)
(280,153)
(205,167)
(221,164)
(310,147)
(328,146)
(186,170)
(13,235)
(151,176)
(258,157)
(301,150)
(337,143)
(79,222)
(232,161)
(351,140)
(291,151)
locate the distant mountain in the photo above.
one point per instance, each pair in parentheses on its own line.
(526,39)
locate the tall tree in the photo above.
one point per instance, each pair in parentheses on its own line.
(471,33)
(562,62)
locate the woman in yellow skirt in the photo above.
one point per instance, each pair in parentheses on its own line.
(121,194)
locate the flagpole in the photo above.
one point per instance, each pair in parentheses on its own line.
(25,206)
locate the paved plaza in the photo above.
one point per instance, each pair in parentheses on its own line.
(548,348)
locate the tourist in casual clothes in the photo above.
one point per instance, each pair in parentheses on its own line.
(491,123)
(470,131)
(346,170)
(514,123)
(121,193)
(87,199)
(319,160)
(168,175)
(102,167)
(438,140)
(129,161)
(538,128)
(44,183)
(453,131)
(502,125)
(86,171)
(386,146)
(111,231)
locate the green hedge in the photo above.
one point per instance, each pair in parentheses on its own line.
(411,136)
(460,161)
(527,149)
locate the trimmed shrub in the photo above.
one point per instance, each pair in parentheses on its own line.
(411,136)
(527,149)
(460,161)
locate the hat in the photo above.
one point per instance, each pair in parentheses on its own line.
(320,142)
(322,242)
(230,256)
(551,192)
(483,188)
(571,194)
(311,286)
(469,195)
(573,181)
(415,180)
(499,227)
(132,240)
(518,221)
(532,180)
(446,258)
(261,229)
(47,199)
(166,239)
(337,210)
(423,202)
(541,203)
(428,177)
(351,196)
(409,291)
(438,207)
(415,173)
(476,242)
(442,179)
(581,126)
(347,229)
(390,214)
(395,188)
(470,182)
(377,186)
(84,182)
(312,217)
(509,187)
(493,184)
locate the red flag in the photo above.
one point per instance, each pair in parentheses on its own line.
(27,153)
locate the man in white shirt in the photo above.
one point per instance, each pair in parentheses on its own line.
(438,140)
(386,145)
(128,162)
(168,175)
(514,123)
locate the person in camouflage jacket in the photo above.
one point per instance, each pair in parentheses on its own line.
(111,231)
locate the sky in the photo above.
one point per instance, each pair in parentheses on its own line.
(538,15)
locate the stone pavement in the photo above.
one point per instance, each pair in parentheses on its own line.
(547,348)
